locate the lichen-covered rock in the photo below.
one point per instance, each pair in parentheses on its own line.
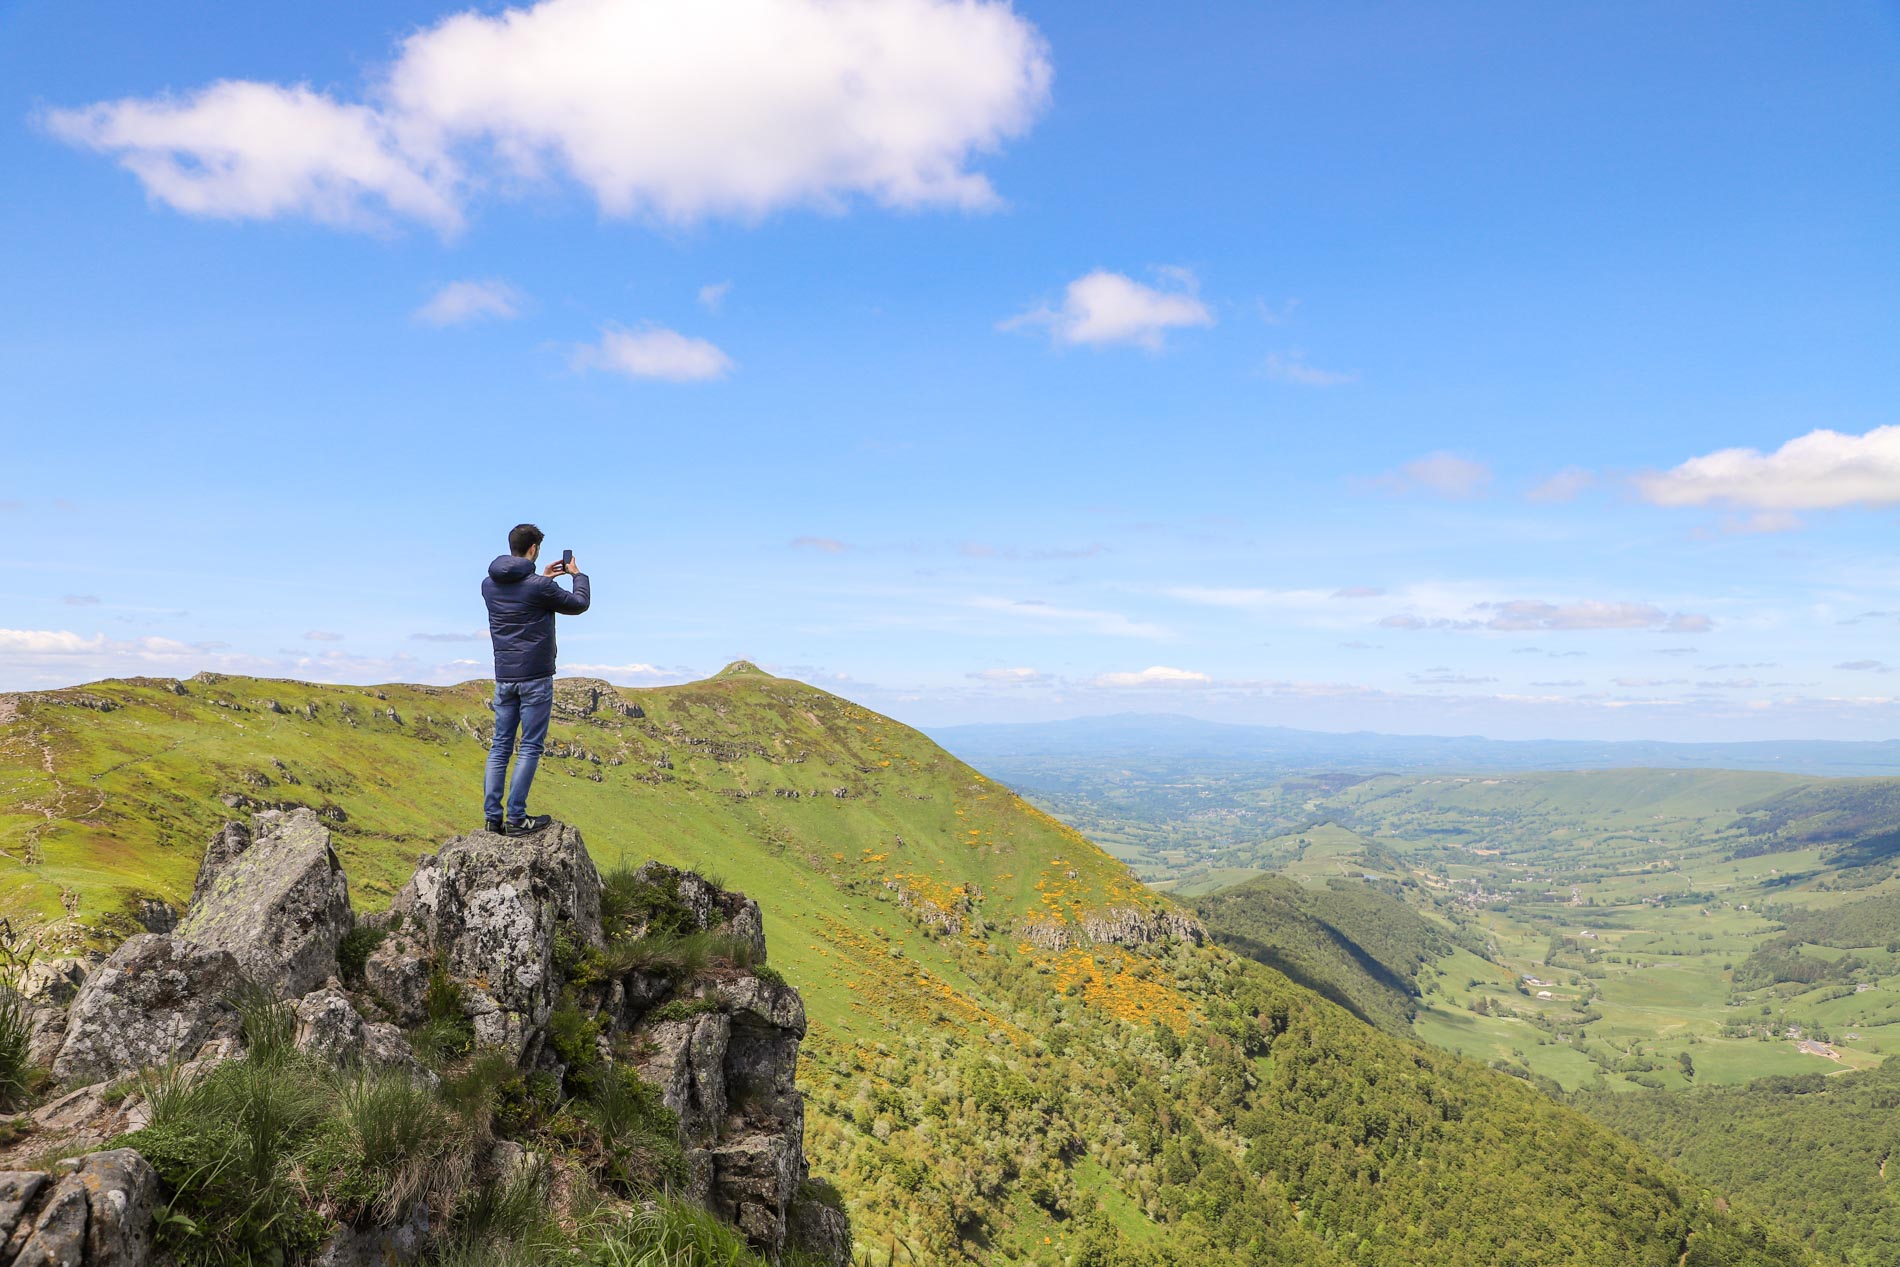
(93,1211)
(817,1230)
(329,1027)
(48,988)
(275,897)
(81,1120)
(755,1174)
(405,1242)
(491,907)
(712,908)
(55,1236)
(757,1001)
(157,998)
(686,1060)
(121,1195)
(17,1190)
(397,973)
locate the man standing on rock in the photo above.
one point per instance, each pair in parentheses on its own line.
(521,609)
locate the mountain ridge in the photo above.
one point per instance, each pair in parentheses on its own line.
(1010,746)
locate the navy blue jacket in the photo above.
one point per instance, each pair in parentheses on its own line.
(521,607)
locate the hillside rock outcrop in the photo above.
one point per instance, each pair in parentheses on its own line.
(275,896)
(509,930)
(489,907)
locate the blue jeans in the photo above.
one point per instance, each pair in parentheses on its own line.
(527,705)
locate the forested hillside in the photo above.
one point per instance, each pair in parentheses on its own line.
(1348,941)
(1016,1052)
(1813,1149)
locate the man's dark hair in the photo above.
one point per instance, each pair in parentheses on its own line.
(523,538)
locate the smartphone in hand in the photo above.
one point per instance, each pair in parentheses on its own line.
(567,560)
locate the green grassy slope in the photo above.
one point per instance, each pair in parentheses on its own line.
(985,1083)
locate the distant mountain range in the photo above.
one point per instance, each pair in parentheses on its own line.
(1161,740)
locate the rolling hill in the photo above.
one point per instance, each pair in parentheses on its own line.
(1017,1053)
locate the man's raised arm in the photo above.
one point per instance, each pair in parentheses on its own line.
(569,604)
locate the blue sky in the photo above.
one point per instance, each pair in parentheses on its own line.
(1490,368)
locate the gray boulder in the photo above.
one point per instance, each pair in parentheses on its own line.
(330,1028)
(48,989)
(95,1210)
(275,896)
(490,907)
(157,998)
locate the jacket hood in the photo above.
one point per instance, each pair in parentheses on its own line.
(509,569)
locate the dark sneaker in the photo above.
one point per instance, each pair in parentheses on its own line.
(532,823)
(493,825)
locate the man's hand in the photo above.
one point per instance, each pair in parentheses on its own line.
(556,569)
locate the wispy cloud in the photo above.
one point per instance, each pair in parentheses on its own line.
(1154,675)
(712,297)
(654,352)
(1566,485)
(1865,666)
(1526,615)
(80,600)
(459,303)
(1010,677)
(1440,474)
(823,545)
(321,635)
(1292,367)
(1103,307)
(1443,676)
(1034,612)
(467,636)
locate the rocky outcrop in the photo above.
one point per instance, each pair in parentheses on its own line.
(488,908)
(92,1211)
(157,998)
(1115,926)
(711,908)
(505,929)
(275,897)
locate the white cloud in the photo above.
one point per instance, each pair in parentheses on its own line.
(1291,367)
(1820,470)
(1010,677)
(322,635)
(460,302)
(712,297)
(673,110)
(824,545)
(1761,521)
(1440,474)
(50,642)
(654,352)
(636,669)
(1523,615)
(1034,611)
(1564,486)
(1103,307)
(249,151)
(1158,674)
